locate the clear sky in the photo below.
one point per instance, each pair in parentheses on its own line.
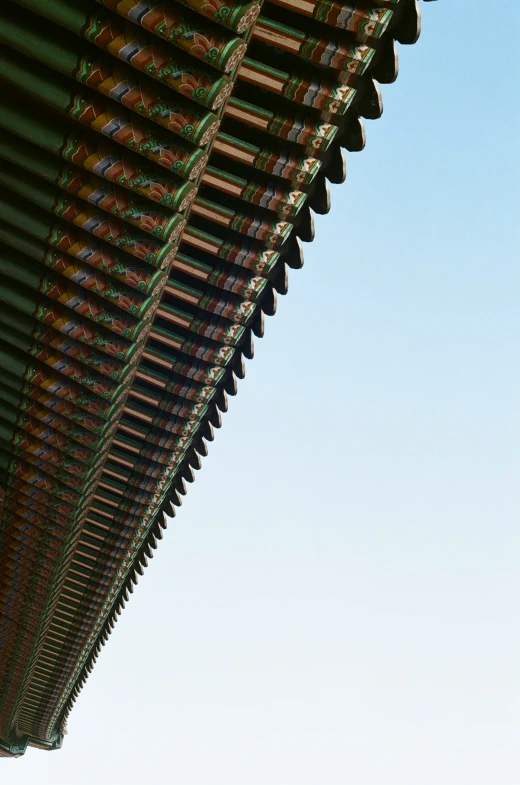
(336,601)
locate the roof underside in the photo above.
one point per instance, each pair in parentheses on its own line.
(160,164)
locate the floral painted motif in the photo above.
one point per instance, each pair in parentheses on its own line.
(157,60)
(100,256)
(136,135)
(111,230)
(182,29)
(120,84)
(82,331)
(131,173)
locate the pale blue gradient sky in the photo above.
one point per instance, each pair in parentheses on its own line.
(336,602)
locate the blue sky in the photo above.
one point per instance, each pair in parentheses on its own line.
(336,601)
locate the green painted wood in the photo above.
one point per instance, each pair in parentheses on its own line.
(11,381)
(24,299)
(34,221)
(7,429)
(22,242)
(64,138)
(12,318)
(20,269)
(66,54)
(168,65)
(33,189)
(140,213)
(135,133)
(36,160)
(18,30)
(18,73)
(13,361)
(72,16)
(5,477)
(10,396)
(15,337)
(47,133)
(14,234)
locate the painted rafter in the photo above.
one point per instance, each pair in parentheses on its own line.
(157,178)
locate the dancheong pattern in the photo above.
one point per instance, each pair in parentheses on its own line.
(161,163)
